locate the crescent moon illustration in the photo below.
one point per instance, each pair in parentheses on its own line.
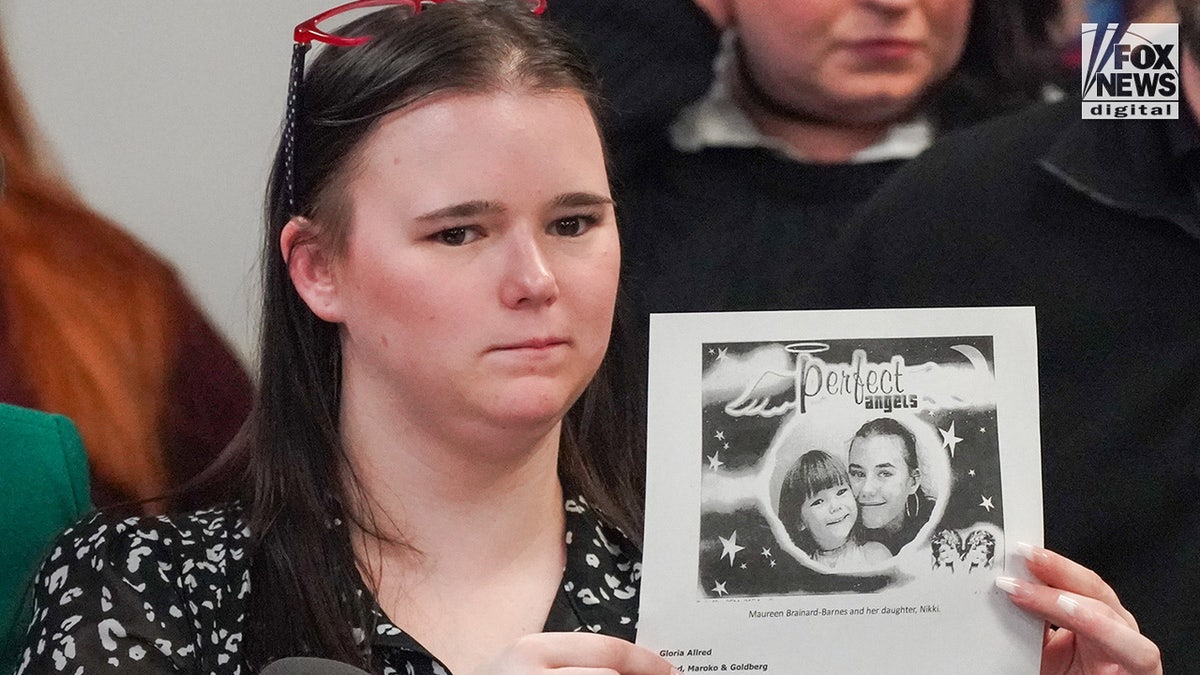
(975,357)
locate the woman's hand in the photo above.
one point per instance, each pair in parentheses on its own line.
(576,654)
(1096,635)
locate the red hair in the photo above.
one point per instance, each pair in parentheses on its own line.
(91,314)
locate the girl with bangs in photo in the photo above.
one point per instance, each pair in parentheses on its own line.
(820,513)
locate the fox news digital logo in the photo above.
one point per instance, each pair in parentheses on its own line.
(1130,71)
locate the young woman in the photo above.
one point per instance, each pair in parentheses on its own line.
(438,462)
(885,476)
(818,508)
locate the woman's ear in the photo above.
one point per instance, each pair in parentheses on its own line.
(311,266)
(915,474)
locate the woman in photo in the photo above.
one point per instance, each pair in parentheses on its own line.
(979,549)
(438,475)
(946,548)
(885,476)
(819,512)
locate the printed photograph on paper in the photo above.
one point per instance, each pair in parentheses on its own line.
(814,478)
(870,449)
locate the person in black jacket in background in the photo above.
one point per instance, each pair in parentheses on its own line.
(1096,223)
(731,154)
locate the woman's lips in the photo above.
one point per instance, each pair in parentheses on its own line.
(883,49)
(839,520)
(532,344)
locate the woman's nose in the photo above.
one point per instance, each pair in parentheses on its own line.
(528,280)
(870,486)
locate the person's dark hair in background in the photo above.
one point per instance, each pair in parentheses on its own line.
(1006,63)
(96,327)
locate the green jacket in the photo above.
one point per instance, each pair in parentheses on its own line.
(43,489)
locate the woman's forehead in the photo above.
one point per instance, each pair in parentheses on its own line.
(883,448)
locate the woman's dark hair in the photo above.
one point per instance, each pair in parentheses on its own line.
(304,572)
(886,426)
(816,470)
(1006,63)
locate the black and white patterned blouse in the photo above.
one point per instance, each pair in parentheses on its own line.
(170,594)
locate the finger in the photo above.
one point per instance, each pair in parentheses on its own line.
(1092,622)
(589,650)
(1065,574)
(1058,651)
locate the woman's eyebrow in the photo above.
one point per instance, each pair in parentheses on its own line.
(475,207)
(581,199)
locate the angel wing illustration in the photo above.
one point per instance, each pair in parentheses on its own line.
(771,395)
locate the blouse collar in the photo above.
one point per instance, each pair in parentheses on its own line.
(598,591)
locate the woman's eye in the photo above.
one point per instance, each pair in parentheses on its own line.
(815,503)
(572,226)
(842,491)
(456,236)
(857,473)
(886,474)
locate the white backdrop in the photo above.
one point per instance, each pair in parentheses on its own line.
(164,114)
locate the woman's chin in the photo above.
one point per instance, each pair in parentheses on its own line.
(529,412)
(886,525)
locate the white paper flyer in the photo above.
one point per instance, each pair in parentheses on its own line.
(837,490)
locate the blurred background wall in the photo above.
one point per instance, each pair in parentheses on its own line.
(163,115)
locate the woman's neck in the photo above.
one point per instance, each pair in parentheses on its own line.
(894,526)
(468,555)
(817,140)
(451,494)
(835,551)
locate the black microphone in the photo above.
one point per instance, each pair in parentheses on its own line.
(307,665)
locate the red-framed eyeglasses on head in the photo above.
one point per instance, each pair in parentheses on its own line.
(304,35)
(308,31)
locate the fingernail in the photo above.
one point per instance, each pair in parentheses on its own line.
(1029,552)
(1008,585)
(1068,605)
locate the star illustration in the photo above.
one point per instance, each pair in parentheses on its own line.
(766,552)
(986,503)
(772,562)
(722,353)
(719,589)
(729,547)
(743,565)
(711,351)
(720,435)
(971,472)
(714,461)
(949,440)
(726,446)
(982,430)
